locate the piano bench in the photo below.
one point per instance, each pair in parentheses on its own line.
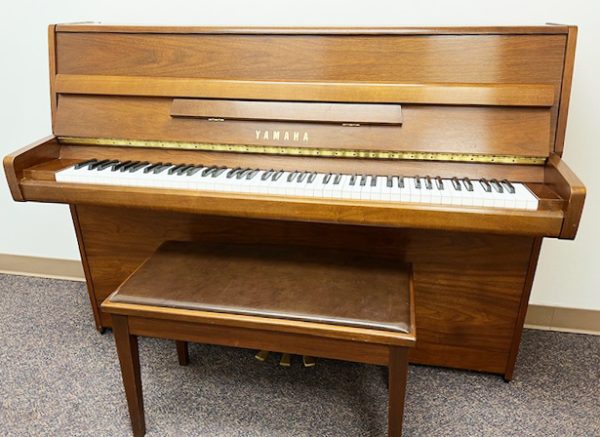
(307,301)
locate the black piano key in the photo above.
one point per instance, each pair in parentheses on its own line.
(337,179)
(510,187)
(277,175)
(266,175)
(85,163)
(485,185)
(243,173)
(439,183)
(138,166)
(468,184)
(195,169)
(208,171)
(428,183)
(218,172)
(182,170)
(161,168)
(128,166)
(327,178)
(117,165)
(302,176)
(231,173)
(417,182)
(94,165)
(363,180)
(353,179)
(107,164)
(120,165)
(496,185)
(390,181)
(400,182)
(152,167)
(252,174)
(374,181)
(175,168)
(312,177)
(456,184)
(291,176)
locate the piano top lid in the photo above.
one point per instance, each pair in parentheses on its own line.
(548,28)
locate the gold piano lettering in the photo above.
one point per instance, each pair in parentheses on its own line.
(286,136)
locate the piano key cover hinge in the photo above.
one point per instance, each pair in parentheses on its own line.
(309,151)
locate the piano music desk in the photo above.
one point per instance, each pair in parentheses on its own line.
(302,301)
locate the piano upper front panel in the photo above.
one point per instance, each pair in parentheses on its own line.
(401,59)
(521,131)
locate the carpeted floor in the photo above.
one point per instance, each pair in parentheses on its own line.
(60,377)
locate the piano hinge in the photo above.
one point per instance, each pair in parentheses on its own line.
(310,151)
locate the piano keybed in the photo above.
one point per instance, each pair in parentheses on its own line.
(459,191)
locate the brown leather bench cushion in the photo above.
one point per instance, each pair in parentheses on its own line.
(284,282)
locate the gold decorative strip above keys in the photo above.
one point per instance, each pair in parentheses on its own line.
(310,151)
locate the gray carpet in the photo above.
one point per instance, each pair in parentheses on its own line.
(59,377)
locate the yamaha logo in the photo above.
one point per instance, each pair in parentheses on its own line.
(282,135)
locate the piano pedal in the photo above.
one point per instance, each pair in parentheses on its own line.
(262,355)
(286,360)
(308,361)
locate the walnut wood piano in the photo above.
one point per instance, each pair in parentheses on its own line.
(435,146)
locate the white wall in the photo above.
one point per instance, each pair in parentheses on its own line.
(569,273)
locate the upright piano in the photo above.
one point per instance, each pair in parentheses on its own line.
(435,146)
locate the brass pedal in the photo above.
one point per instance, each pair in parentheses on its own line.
(262,355)
(308,361)
(286,360)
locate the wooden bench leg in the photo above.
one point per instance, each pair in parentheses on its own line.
(397,371)
(182,352)
(127,348)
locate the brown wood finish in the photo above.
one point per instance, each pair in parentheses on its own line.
(553,29)
(52,68)
(490,90)
(182,353)
(127,349)
(502,221)
(311,112)
(397,375)
(514,348)
(565,93)
(89,280)
(430,94)
(260,331)
(561,178)
(15,163)
(513,131)
(468,287)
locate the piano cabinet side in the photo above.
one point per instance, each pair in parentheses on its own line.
(472,289)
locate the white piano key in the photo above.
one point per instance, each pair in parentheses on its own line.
(373,188)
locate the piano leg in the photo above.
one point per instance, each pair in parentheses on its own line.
(182,352)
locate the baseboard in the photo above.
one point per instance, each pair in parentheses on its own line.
(41,267)
(538,316)
(563,319)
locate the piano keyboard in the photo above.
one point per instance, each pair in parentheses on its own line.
(364,187)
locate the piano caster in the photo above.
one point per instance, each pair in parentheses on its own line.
(286,359)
